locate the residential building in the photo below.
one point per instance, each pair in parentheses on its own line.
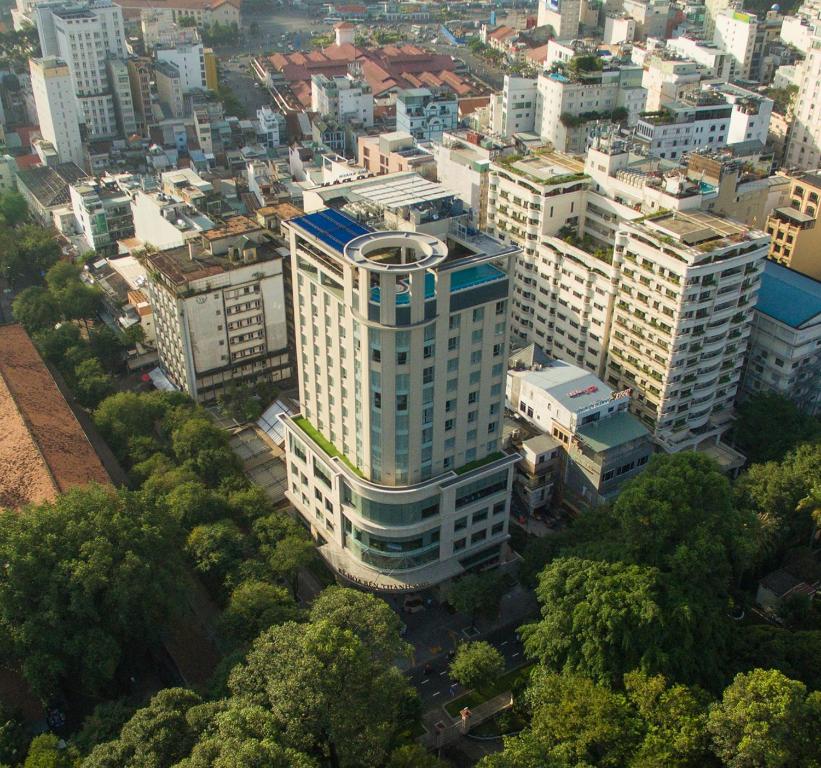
(394,152)
(164,221)
(713,58)
(785,344)
(712,9)
(86,36)
(120,82)
(797,31)
(395,460)
(188,186)
(562,15)
(750,118)
(344,99)
(46,192)
(651,17)
(569,104)
(189,59)
(425,114)
(681,320)
(169,89)
(272,130)
(140,75)
(794,228)
(57,110)
(515,110)
(203,13)
(601,444)
(619,28)
(804,142)
(747,37)
(102,212)
(219,309)
(667,77)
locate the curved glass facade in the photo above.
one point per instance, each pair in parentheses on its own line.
(394,554)
(390,514)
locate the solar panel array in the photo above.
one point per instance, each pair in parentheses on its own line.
(331,227)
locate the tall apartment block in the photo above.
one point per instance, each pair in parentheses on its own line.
(396,461)
(804,147)
(796,236)
(686,289)
(85,36)
(57,107)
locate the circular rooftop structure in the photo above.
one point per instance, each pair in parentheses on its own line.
(396,251)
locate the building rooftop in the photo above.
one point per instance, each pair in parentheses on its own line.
(44,450)
(573,387)
(50,185)
(330,227)
(235,225)
(699,230)
(788,296)
(615,430)
(545,168)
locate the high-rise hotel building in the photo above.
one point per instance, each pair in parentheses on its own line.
(396,460)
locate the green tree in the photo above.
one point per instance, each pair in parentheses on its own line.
(289,556)
(107,346)
(61,276)
(413,756)
(13,208)
(85,576)
(773,415)
(103,724)
(158,735)
(372,620)
(47,751)
(12,736)
(35,309)
(192,503)
(217,549)
(253,607)
(476,664)
(760,723)
(328,694)
(477,594)
(91,383)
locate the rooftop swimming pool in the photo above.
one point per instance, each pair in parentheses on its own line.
(470,277)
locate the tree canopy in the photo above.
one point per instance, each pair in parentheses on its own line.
(476,664)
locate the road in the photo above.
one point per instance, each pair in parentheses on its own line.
(437,687)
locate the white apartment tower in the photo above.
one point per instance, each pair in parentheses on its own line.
(396,460)
(562,15)
(804,148)
(85,36)
(682,318)
(57,107)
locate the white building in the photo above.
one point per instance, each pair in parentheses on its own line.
(189,59)
(102,211)
(797,31)
(619,28)
(651,17)
(785,343)
(342,98)
(515,111)
(750,118)
(57,111)
(121,91)
(804,147)
(683,313)
(713,58)
(271,130)
(219,310)
(85,36)
(746,38)
(164,221)
(395,460)
(425,115)
(667,78)
(562,15)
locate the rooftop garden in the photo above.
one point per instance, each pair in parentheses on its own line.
(471,465)
(618,115)
(586,243)
(326,445)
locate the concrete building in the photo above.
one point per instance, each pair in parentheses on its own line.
(713,58)
(120,82)
(601,444)
(189,60)
(804,142)
(619,28)
(568,105)
(681,321)
(57,110)
(747,37)
(169,89)
(424,114)
(140,75)
(395,460)
(219,306)
(562,15)
(187,186)
(515,111)
(344,99)
(667,78)
(102,212)
(394,152)
(794,228)
(651,17)
(272,129)
(164,221)
(85,36)
(712,9)
(797,31)
(785,344)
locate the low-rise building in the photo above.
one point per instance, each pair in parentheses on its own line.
(394,152)
(794,228)
(343,98)
(601,443)
(785,344)
(102,211)
(164,221)
(426,115)
(219,309)
(46,190)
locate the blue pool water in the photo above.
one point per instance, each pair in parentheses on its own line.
(459,281)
